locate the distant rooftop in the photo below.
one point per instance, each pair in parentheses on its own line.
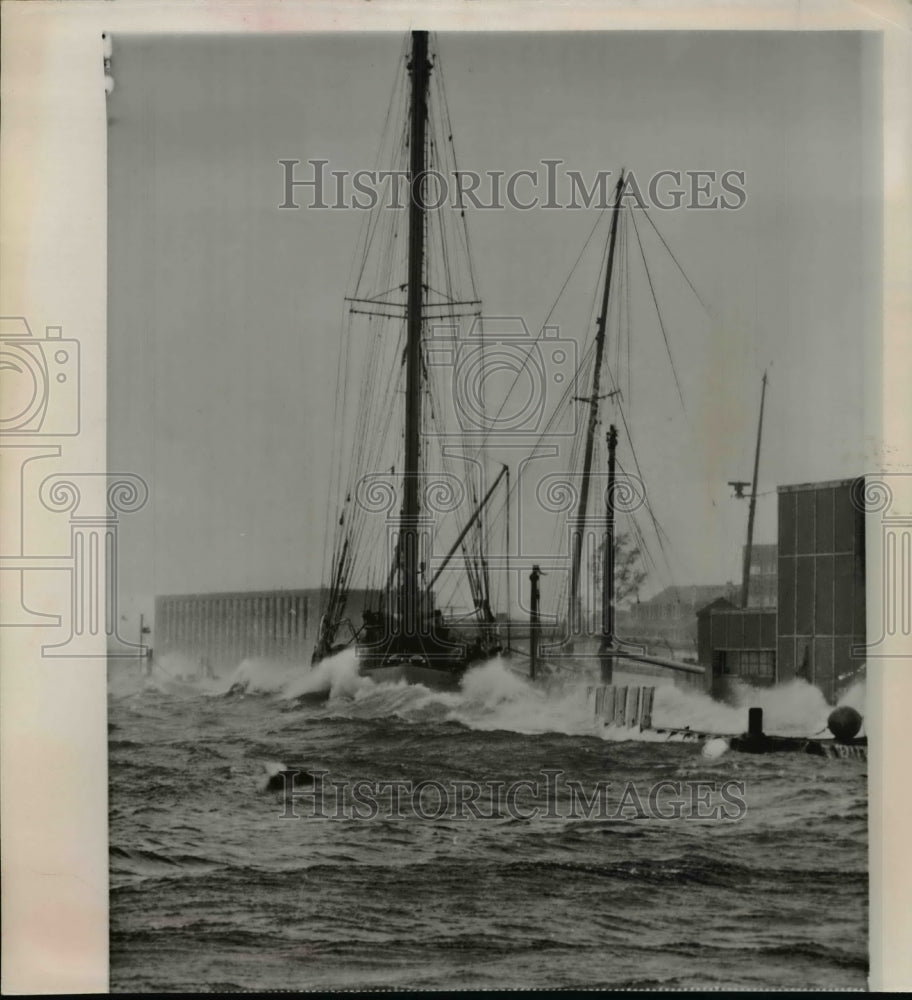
(695,593)
(800,487)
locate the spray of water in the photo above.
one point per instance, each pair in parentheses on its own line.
(493,695)
(793,709)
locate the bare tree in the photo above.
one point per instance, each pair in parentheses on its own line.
(629,574)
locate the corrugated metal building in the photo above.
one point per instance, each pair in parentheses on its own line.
(820,612)
(227,628)
(821,583)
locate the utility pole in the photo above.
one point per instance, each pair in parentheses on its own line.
(144,630)
(534,622)
(745,580)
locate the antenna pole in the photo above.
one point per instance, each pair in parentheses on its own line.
(748,549)
(509,635)
(534,622)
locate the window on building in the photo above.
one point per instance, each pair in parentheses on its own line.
(751,663)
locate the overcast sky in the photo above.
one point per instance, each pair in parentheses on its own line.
(224,310)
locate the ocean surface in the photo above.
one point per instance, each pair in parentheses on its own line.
(212,890)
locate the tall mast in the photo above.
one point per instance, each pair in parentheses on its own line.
(608,637)
(745,579)
(608,564)
(593,400)
(419,69)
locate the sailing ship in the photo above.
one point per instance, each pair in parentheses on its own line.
(403,635)
(576,637)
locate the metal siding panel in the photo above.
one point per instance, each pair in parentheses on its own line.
(735,630)
(859,611)
(804,597)
(844,518)
(844,594)
(804,657)
(752,630)
(785,659)
(768,631)
(704,639)
(825,501)
(718,631)
(804,521)
(786,524)
(786,598)
(823,596)
(823,666)
(844,665)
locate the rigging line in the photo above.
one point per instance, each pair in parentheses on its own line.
(585,247)
(540,440)
(381,224)
(643,545)
(538,336)
(335,477)
(558,410)
(448,470)
(636,463)
(399,89)
(629,323)
(375,219)
(446,460)
(445,106)
(367,415)
(367,410)
(659,315)
(657,527)
(364,459)
(649,219)
(581,369)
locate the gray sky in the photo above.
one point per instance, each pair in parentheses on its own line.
(224,312)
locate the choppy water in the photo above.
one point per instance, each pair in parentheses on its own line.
(211,890)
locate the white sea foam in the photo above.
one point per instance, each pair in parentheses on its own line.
(495,695)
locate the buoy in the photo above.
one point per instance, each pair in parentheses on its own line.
(280,778)
(844,723)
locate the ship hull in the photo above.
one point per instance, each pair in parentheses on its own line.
(442,678)
(436,663)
